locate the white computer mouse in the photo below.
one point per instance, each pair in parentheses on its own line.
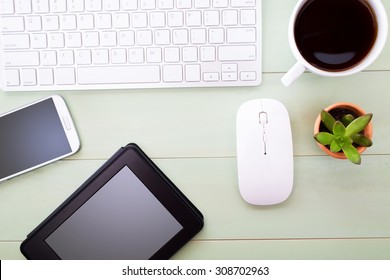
(264,152)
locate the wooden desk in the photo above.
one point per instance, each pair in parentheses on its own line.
(336,211)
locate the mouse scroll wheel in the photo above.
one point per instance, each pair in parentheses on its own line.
(263,118)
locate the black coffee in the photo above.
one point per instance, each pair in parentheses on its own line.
(335,35)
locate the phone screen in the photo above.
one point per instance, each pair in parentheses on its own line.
(31,136)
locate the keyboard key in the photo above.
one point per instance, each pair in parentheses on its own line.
(165,4)
(139,20)
(184,4)
(162,37)
(172,73)
(85,21)
(153,55)
(129,5)
(83,57)
(12,77)
(118,56)
(39,41)
(65,76)
(74,5)
(118,74)
(49,58)
(172,54)
(111,5)
(216,36)
(12,24)
(33,23)
(243,3)
(16,41)
(91,39)
(211,76)
(144,37)
(40,6)
(57,6)
(220,3)
(211,18)
(29,77)
(239,53)
(180,36)
(136,55)
(68,22)
(65,57)
(193,18)
(207,53)
(229,67)
(230,17)
(148,4)
(108,39)
(50,23)
(157,19)
(103,21)
(192,73)
(201,4)
(93,5)
(190,54)
(175,19)
(241,35)
(126,38)
(198,36)
(73,40)
(100,56)
(229,76)
(121,20)
(56,40)
(28,58)
(248,17)
(6,7)
(248,76)
(45,77)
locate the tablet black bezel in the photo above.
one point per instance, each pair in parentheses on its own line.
(35,247)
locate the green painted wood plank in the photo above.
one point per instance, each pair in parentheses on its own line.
(348,249)
(201,122)
(331,198)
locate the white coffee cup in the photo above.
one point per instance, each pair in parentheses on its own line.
(302,64)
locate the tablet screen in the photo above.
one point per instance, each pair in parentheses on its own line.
(122,220)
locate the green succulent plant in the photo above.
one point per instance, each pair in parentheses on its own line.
(344,133)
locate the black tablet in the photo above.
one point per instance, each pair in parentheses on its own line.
(127,210)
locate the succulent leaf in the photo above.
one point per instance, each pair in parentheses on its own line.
(362,140)
(347,119)
(327,119)
(358,124)
(339,129)
(324,138)
(334,147)
(352,154)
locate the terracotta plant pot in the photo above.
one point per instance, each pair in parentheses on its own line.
(356,110)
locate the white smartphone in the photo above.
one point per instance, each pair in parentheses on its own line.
(35,135)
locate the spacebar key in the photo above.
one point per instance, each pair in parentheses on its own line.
(118,75)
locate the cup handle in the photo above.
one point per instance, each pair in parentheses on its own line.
(292,74)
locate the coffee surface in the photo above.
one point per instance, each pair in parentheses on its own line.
(335,35)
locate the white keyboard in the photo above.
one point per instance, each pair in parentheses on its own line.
(106,44)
